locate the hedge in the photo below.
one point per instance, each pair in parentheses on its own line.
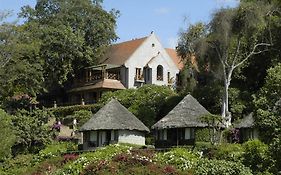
(62,112)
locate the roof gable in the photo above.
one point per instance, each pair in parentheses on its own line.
(118,54)
(114,116)
(186,114)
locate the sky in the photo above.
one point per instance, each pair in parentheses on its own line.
(139,17)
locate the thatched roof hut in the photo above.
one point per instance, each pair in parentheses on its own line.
(187,113)
(246,122)
(114,116)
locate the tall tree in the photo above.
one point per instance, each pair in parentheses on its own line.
(234,36)
(20,65)
(74,34)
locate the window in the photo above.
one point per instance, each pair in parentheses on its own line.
(169,78)
(139,75)
(189,133)
(162,134)
(160,73)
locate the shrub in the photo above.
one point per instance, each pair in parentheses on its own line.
(7,135)
(181,158)
(62,112)
(18,164)
(256,156)
(82,116)
(101,154)
(230,152)
(53,150)
(220,167)
(202,135)
(275,152)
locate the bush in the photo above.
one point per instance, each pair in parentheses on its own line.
(81,116)
(220,167)
(181,158)
(256,156)
(7,135)
(230,152)
(62,112)
(31,130)
(53,150)
(275,152)
(202,135)
(18,165)
(101,154)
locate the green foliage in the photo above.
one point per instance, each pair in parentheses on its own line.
(209,94)
(18,165)
(220,167)
(202,135)
(268,105)
(81,116)
(105,153)
(53,150)
(62,112)
(7,136)
(275,153)
(21,68)
(181,158)
(32,133)
(73,35)
(229,152)
(144,102)
(256,156)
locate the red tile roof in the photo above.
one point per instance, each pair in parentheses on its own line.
(177,60)
(118,54)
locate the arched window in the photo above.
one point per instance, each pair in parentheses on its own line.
(160,72)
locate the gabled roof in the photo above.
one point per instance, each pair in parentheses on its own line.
(118,54)
(246,122)
(102,84)
(177,60)
(186,114)
(114,116)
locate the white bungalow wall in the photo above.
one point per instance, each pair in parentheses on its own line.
(132,137)
(151,53)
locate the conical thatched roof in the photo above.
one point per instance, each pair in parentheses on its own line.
(187,113)
(246,122)
(114,116)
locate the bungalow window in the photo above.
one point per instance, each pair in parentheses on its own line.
(189,133)
(93,139)
(160,73)
(114,135)
(162,134)
(139,75)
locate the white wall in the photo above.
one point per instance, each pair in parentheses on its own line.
(133,137)
(143,56)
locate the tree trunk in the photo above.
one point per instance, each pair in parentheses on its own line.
(226,115)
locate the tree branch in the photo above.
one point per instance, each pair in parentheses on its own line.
(253,52)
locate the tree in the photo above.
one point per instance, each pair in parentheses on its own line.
(32,132)
(21,67)
(7,136)
(74,34)
(234,35)
(268,105)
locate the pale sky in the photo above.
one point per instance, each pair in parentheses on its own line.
(140,17)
